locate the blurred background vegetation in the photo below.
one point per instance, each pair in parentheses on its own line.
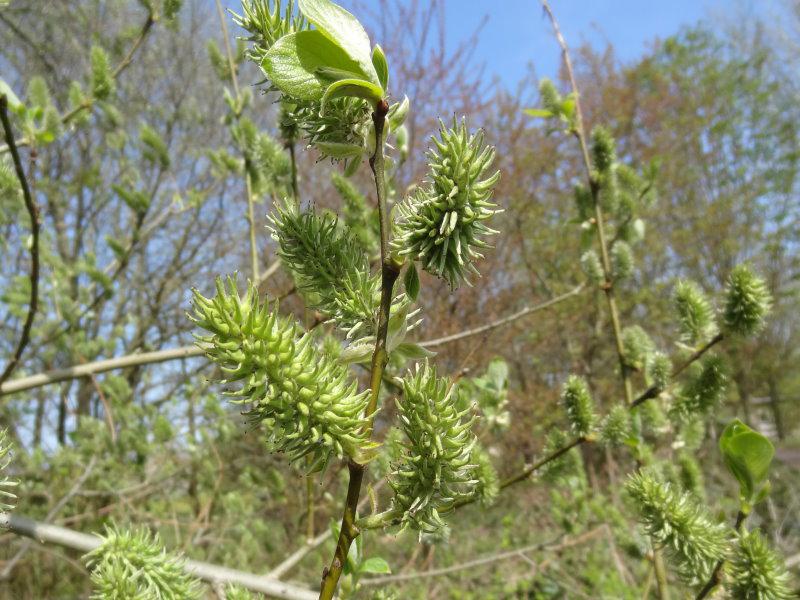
(142,197)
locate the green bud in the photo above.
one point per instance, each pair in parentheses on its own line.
(442,226)
(704,390)
(578,404)
(550,98)
(747,303)
(658,370)
(695,313)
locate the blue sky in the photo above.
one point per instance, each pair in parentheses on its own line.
(517,32)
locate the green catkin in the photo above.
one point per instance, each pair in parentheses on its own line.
(330,268)
(756,571)
(133,565)
(658,370)
(637,346)
(677,522)
(267,21)
(691,475)
(435,468)
(704,390)
(591,267)
(102,82)
(622,262)
(442,225)
(307,400)
(695,312)
(7,497)
(577,402)
(550,98)
(604,152)
(747,302)
(616,426)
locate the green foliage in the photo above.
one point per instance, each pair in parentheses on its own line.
(441,225)
(330,268)
(578,404)
(695,312)
(678,523)
(748,455)
(133,565)
(102,82)
(747,301)
(435,468)
(155,148)
(7,497)
(305,399)
(756,571)
(489,392)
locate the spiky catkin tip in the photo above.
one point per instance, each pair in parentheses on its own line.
(443,225)
(435,468)
(578,404)
(756,571)
(658,370)
(747,301)
(306,399)
(704,389)
(615,427)
(134,564)
(677,522)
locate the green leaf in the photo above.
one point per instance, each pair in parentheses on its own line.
(344,30)
(411,281)
(357,88)
(747,455)
(296,64)
(398,113)
(413,351)
(376,564)
(338,150)
(381,66)
(541,113)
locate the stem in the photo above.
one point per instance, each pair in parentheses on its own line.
(33,213)
(661,574)
(251,221)
(389,272)
(580,134)
(309,504)
(716,575)
(293,162)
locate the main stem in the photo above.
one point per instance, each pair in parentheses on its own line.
(389,272)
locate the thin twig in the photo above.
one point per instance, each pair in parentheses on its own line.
(33,212)
(528,310)
(716,574)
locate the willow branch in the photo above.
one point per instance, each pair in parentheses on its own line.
(716,574)
(33,212)
(53,534)
(389,273)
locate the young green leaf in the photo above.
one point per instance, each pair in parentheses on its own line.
(357,88)
(747,455)
(295,64)
(381,66)
(344,30)
(376,565)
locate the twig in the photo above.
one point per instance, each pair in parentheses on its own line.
(46,533)
(33,213)
(528,310)
(485,560)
